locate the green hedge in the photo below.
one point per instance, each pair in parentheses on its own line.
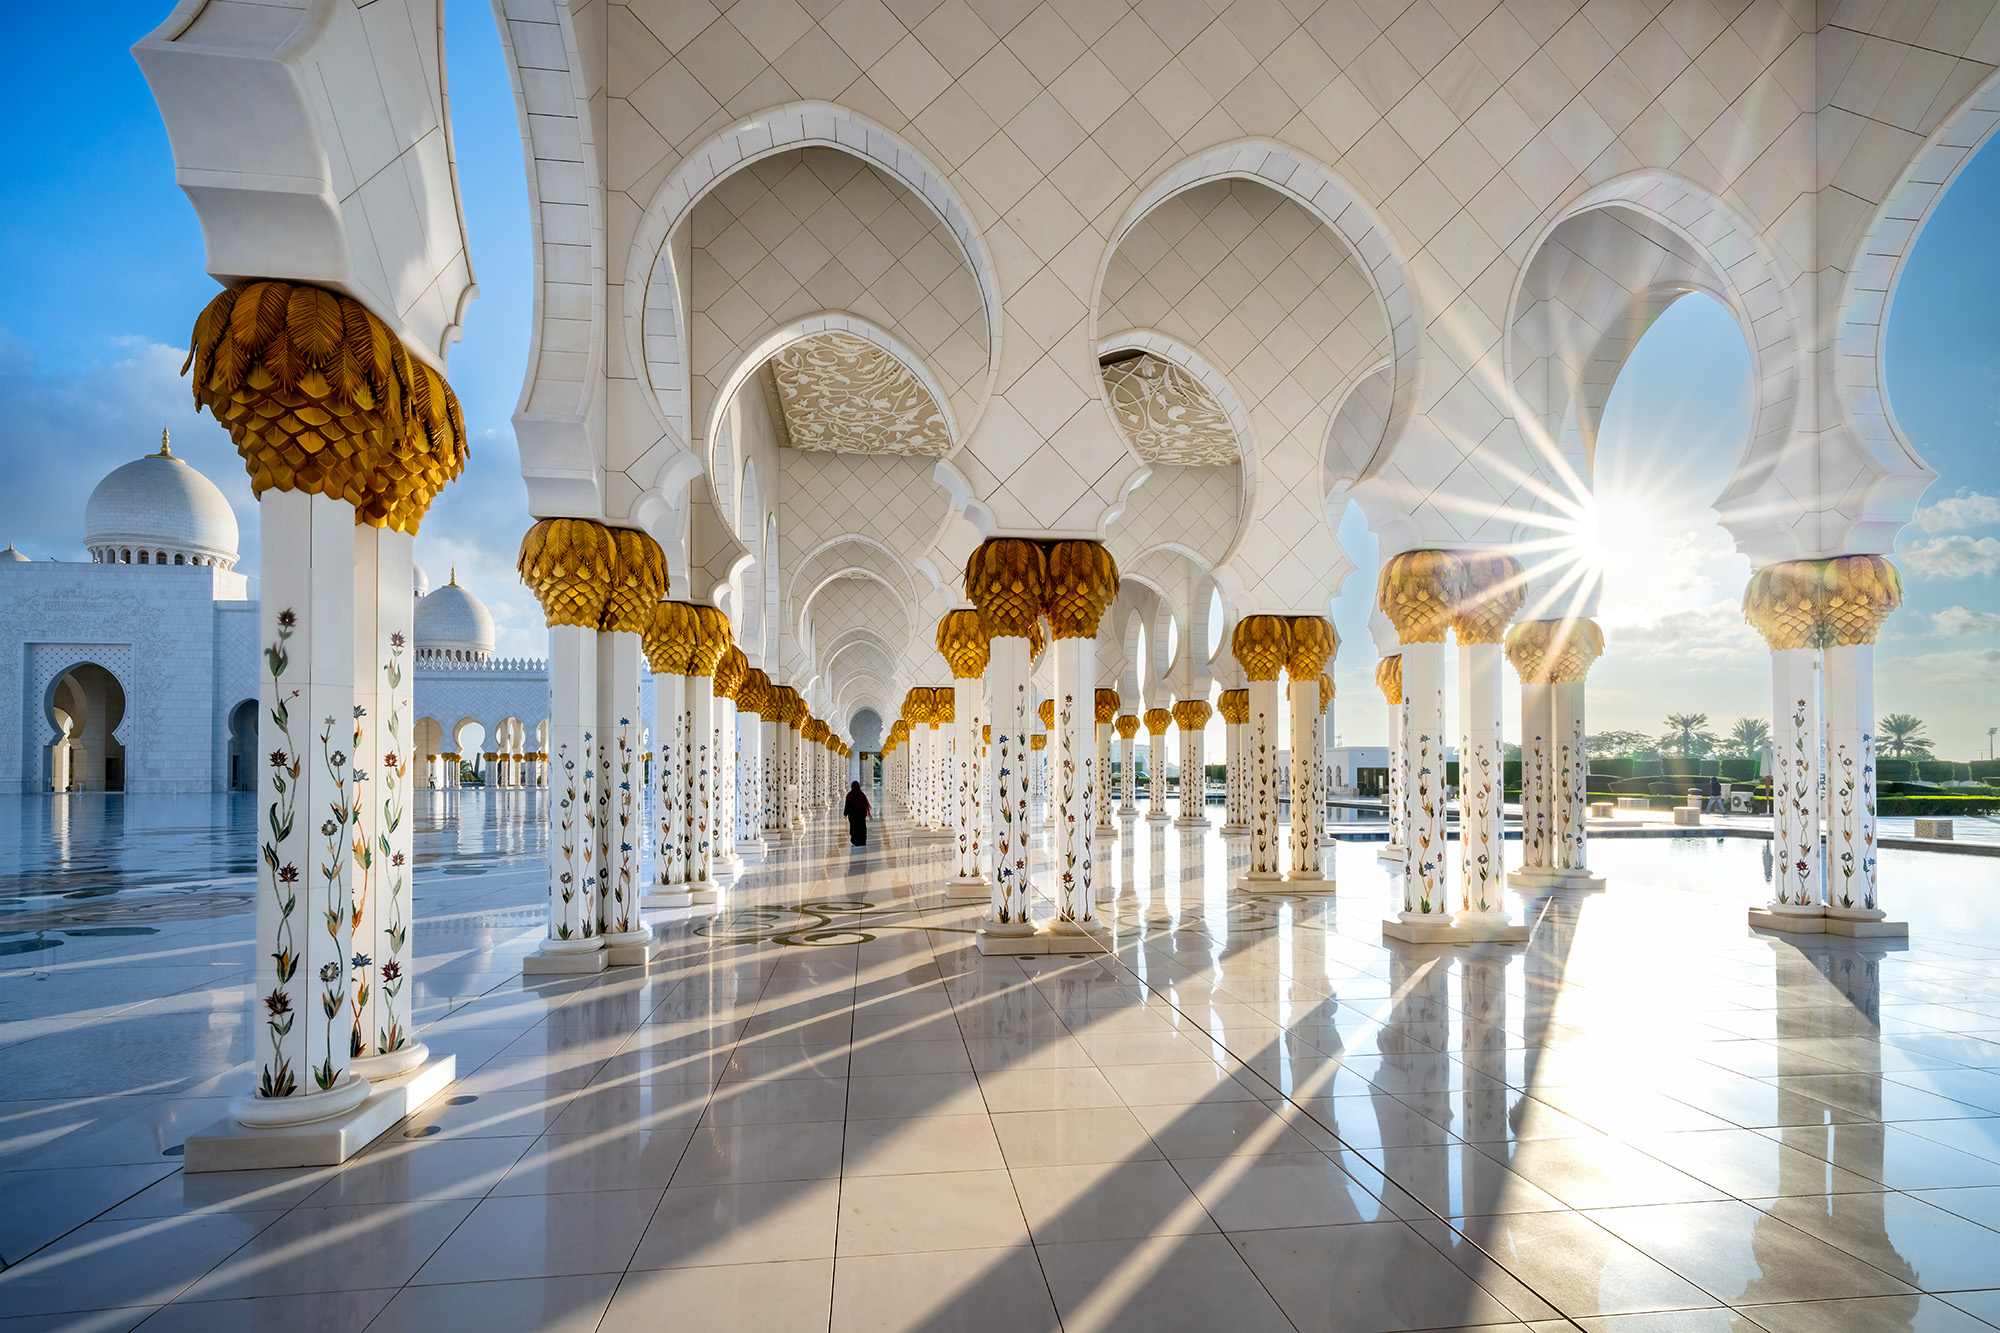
(1896,770)
(1737,770)
(1937,770)
(1934,806)
(1985,768)
(1510,773)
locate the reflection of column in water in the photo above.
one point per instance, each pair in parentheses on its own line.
(1156,853)
(1483,1037)
(1827,990)
(1416,1068)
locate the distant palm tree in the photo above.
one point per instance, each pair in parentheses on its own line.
(1687,734)
(1749,735)
(1901,736)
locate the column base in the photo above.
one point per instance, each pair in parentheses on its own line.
(1079,930)
(1393,851)
(627,948)
(1233,830)
(1260,881)
(1441,929)
(967,890)
(1160,818)
(1847,922)
(1036,942)
(390,1064)
(746,846)
(228,1145)
(704,892)
(1542,877)
(936,835)
(565,956)
(1312,885)
(1864,923)
(666,895)
(1191,821)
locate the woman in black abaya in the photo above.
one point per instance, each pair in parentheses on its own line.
(857,813)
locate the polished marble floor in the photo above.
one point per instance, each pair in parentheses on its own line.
(822,1109)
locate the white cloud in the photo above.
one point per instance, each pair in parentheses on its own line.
(1956,622)
(1715,631)
(64,429)
(1969,509)
(1956,557)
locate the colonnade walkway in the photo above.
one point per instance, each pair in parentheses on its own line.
(823,1108)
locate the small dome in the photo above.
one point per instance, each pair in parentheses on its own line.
(10,555)
(158,510)
(453,624)
(421,582)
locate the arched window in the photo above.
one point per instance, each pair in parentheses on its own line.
(179,559)
(125,557)
(142,556)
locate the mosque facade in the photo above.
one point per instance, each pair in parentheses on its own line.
(137,669)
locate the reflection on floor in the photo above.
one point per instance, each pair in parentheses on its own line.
(823,1109)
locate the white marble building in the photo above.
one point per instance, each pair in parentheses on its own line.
(137,671)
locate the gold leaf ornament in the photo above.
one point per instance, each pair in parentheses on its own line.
(1262,644)
(729,673)
(1234,705)
(1489,592)
(1082,581)
(1417,591)
(639,581)
(944,705)
(321,396)
(1046,711)
(1106,706)
(1783,602)
(1325,692)
(1127,725)
(1861,591)
(711,641)
(1005,577)
(1158,720)
(669,639)
(569,564)
(1389,679)
(964,643)
(1312,645)
(1551,651)
(1192,714)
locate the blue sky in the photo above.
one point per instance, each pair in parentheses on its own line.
(105,278)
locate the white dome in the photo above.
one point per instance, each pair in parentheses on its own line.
(452,622)
(420,581)
(10,555)
(160,509)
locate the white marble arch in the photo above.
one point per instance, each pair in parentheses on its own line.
(851,553)
(1334,204)
(1862,321)
(805,625)
(655,333)
(1723,257)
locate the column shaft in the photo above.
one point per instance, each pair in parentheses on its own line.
(1481,788)
(1074,766)
(621,806)
(1194,781)
(968,716)
(1308,782)
(1570,791)
(1128,780)
(702,822)
(380,1041)
(670,878)
(573,789)
(1424,895)
(1260,740)
(1013,713)
(1850,780)
(1537,770)
(299,1004)
(1795,786)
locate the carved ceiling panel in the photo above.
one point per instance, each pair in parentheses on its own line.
(1169,416)
(841,394)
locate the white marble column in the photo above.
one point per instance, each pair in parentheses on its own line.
(1191,718)
(1261,740)
(1537,785)
(702,822)
(723,738)
(1158,720)
(670,861)
(621,807)
(572,801)
(968,721)
(1105,712)
(1795,789)
(1128,777)
(300,1021)
(1425,896)
(381,1042)
(1008,688)
(1074,769)
(1481,785)
(1308,783)
(1389,679)
(770,806)
(1849,673)
(1570,793)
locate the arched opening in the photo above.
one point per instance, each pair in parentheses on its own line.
(84,708)
(469,741)
(427,740)
(243,746)
(1216,617)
